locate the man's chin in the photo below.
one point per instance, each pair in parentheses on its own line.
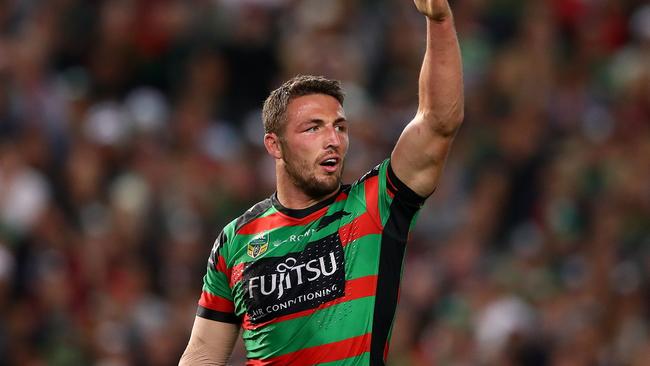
(331,182)
(323,188)
(316,185)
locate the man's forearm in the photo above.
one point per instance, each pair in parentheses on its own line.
(441,80)
(211,343)
(199,352)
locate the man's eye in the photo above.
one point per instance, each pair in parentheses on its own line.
(341,128)
(312,129)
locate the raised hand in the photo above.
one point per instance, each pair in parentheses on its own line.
(434,9)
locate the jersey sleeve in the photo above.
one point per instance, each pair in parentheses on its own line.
(394,197)
(216,302)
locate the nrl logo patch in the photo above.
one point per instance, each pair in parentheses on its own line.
(258,246)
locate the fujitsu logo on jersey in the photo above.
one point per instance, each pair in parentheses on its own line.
(289,273)
(276,286)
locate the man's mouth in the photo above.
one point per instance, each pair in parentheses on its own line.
(330,164)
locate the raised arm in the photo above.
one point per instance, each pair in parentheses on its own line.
(211,343)
(421,151)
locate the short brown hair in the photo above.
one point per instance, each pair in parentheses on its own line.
(275,106)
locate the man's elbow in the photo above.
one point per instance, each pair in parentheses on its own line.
(454,120)
(444,123)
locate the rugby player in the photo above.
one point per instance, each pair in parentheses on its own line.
(311,275)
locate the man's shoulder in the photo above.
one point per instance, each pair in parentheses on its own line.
(372,172)
(249,215)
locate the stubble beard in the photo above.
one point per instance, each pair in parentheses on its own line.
(302,175)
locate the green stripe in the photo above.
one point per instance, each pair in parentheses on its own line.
(296,334)
(238,295)
(362,257)
(271,210)
(216,283)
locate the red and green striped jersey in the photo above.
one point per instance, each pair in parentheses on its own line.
(318,285)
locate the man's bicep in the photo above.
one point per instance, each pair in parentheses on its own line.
(211,343)
(419,156)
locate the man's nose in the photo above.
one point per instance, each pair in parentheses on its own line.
(333,138)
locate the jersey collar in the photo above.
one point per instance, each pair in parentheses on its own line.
(300,213)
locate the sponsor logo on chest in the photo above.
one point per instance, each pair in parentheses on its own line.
(277,286)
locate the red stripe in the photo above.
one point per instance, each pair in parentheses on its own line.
(354,289)
(235,274)
(330,352)
(222,267)
(266,223)
(360,226)
(215,302)
(372,196)
(278,219)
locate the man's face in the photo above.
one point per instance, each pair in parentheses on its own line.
(314,143)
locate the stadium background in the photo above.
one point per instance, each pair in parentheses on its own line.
(130,133)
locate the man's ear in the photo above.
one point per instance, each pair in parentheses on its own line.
(272,144)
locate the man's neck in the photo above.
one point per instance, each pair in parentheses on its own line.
(295,198)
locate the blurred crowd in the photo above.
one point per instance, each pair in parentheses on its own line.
(130,134)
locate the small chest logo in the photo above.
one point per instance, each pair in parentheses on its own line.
(258,246)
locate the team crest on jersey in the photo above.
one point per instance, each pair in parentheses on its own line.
(258,246)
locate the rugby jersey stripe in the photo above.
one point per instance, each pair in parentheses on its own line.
(236,274)
(360,226)
(371,187)
(275,220)
(221,266)
(216,302)
(336,351)
(252,213)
